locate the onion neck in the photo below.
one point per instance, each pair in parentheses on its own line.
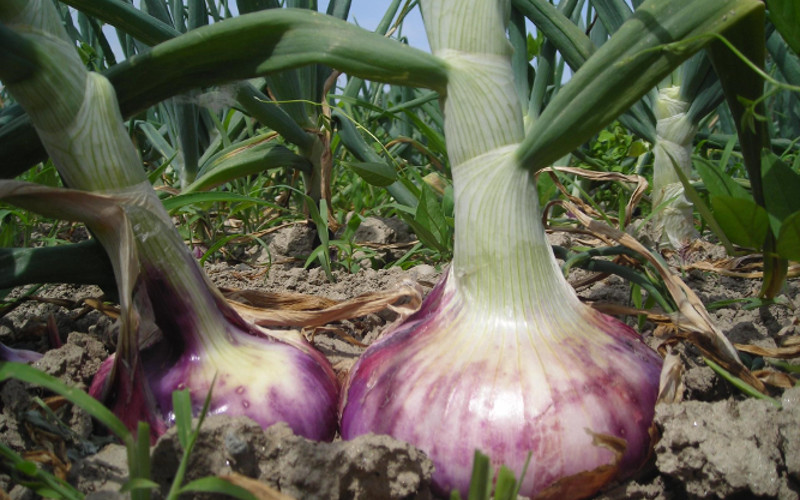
(502,261)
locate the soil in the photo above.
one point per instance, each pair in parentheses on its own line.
(716,443)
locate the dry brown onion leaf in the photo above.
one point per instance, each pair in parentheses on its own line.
(403,300)
(670,386)
(739,267)
(636,195)
(692,320)
(47,457)
(103,307)
(587,483)
(339,332)
(274,300)
(776,379)
(790,350)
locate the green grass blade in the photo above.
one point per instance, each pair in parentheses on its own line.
(739,383)
(506,485)
(182,406)
(480,484)
(183,200)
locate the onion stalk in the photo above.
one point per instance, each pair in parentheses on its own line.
(170,308)
(672,150)
(502,357)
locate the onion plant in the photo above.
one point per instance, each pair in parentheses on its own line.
(502,355)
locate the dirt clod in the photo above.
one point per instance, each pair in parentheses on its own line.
(368,467)
(726,448)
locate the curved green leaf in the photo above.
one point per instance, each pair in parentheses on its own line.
(265,42)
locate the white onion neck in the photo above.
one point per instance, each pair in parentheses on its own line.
(502,263)
(502,260)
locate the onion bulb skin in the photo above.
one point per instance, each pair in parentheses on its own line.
(263,378)
(454,378)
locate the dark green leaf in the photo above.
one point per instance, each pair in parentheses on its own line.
(785,15)
(653,42)
(741,85)
(182,200)
(251,157)
(745,223)
(781,189)
(788,245)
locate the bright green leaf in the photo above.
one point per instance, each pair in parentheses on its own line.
(637,149)
(505,486)
(182,404)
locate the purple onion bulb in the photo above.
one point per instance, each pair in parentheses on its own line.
(454,378)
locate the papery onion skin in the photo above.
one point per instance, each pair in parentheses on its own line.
(443,384)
